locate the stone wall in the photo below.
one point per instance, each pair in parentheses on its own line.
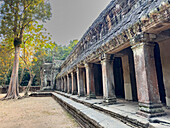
(49,72)
(21,89)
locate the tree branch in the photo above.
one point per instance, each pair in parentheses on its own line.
(26,65)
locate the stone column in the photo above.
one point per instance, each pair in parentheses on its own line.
(73,80)
(126,78)
(108,79)
(65,84)
(59,84)
(90,81)
(62,84)
(68,84)
(80,81)
(146,78)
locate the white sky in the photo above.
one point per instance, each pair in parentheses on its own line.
(71,18)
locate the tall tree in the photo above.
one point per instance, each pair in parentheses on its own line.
(18,15)
(35,41)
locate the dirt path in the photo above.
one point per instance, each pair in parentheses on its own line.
(34,112)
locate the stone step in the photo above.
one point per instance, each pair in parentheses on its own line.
(91,113)
(126,116)
(88,117)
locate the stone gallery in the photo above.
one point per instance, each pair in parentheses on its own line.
(48,74)
(124,54)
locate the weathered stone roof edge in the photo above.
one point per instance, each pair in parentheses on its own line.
(154,9)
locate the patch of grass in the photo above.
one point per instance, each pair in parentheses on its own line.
(49,113)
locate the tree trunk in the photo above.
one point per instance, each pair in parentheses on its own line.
(41,77)
(22,75)
(29,85)
(13,91)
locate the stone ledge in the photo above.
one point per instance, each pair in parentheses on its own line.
(116,114)
(80,108)
(86,116)
(126,117)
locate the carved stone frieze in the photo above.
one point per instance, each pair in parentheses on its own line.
(142,38)
(123,21)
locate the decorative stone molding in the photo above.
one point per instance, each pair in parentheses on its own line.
(106,57)
(115,27)
(142,37)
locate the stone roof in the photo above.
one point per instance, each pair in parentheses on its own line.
(124,13)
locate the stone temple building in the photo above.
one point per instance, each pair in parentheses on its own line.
(48,74)
(125,54)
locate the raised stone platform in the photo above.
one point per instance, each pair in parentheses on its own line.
(88,112)
(86,116)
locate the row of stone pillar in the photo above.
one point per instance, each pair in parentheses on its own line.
(146,78)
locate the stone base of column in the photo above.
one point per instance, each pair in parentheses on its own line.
(150,110)
(109,101)
(69,92)
(80,95)
(91,96)
(168,102)
(74,93)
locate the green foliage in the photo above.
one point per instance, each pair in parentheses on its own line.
(34,49)
(17,15)
(6,60)
(63,51)
(19,26)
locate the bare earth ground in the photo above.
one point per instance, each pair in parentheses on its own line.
(34,112)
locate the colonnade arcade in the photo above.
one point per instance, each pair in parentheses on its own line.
(135,73)
(124,54)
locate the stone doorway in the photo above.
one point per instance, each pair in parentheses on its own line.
(84,81)
(75,77)
(158,65)
(124,73)
(118,77)
(48,83)
(132,75)
(98,80)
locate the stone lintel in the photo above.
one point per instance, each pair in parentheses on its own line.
(89,65)
(80,65)
(142,37)
(106,57)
